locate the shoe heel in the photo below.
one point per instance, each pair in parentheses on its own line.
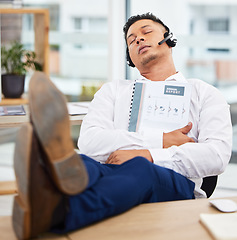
(71,175)
(20,219)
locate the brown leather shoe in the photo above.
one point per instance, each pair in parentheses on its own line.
(50,120)
(38,198)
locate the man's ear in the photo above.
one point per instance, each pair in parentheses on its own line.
(129,60)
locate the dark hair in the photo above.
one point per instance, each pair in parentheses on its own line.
(134,19)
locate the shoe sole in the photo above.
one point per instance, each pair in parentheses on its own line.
(21,207)
(50,119)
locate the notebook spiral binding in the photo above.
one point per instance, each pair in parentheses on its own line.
(130,110)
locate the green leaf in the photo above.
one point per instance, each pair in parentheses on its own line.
(17,60)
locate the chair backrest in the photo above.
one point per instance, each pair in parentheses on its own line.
(209,185)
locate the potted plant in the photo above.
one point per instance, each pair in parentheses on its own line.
(15,62)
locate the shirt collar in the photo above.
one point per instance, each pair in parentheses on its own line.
(178,77)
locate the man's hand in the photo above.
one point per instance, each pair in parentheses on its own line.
(121,156)
(177,137)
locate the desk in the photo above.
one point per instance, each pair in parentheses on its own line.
(163,221)
(17,121)
(14,101)
(8,130)
(8,187)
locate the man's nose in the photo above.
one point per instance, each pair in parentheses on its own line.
(140,40)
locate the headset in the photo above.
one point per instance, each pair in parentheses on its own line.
(168,38)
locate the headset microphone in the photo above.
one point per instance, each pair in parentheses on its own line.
(170,35)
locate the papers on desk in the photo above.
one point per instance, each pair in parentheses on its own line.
(12,110)
(74,108)
(221,226)
(77,108)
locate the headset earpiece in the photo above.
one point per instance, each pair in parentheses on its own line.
(169,39)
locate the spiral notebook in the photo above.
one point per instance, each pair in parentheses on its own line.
(164,105)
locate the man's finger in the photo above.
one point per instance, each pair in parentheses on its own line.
(187,128)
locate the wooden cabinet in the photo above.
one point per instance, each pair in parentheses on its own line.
(41,29)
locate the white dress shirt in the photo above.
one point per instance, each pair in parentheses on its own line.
(105,129)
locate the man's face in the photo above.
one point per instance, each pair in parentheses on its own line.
(142,40)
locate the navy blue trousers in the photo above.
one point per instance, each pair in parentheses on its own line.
(113,189)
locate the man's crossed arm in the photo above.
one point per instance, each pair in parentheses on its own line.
(176,137)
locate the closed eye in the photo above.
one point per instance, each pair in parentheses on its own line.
(132,41)
(148,32)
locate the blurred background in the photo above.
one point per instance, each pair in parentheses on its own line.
(87,47)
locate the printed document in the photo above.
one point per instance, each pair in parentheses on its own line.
(164,105)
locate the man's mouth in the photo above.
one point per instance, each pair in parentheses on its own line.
(143,49)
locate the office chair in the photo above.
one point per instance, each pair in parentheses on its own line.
(209,185)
